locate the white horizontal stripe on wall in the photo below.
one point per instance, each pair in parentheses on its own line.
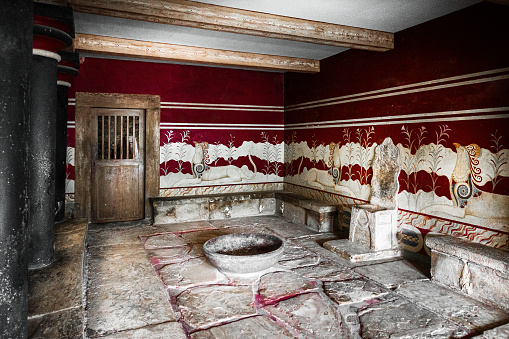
(258,127)
(397,90)
(414,118)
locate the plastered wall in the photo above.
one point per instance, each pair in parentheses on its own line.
(442,95)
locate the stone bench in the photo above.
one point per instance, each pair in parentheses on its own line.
(479,271)
(317,215)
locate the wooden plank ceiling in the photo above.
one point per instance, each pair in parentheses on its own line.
(226,19)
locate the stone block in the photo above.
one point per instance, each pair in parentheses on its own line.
(189,273)
(357,253)
(294,213)
(320,222)
(172,211)
(267,206)
(203,307)
(353,291)
(277,286)
(163,240)
(391,274)
(64,324)
(168,330)
(374,228)
(310,315)
(446,270)
(452,305)
(486,284)
(326,271)
(495,333)
(257,327)
(483,255)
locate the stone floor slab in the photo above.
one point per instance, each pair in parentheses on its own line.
(126,305)
(290,230)
(353,291)
(392,316)
(310,315)
(276,286)
(292,252)
(326,271)
(184,226)
(168,330)
(308,260)
(118,235)
(163,240)
(454,306)
(391,274)
(203,307)
(190,273)
(200,237)
(258,327)
(495,333)
(117,263)
(63,324)
(58,286)
(160,257)
(356,252)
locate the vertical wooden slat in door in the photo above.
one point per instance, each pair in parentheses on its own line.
(118,181)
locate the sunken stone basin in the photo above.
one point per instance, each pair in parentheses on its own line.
(244,252)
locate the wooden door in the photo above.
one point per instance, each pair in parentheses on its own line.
(118,141)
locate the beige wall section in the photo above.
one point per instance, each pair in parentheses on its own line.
(84,104)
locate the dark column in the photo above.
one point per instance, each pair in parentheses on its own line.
(52,28)
(67,69)
(15,61)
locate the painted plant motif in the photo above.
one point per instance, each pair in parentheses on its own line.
(365,156)
(166,152)
(290,153)
(272,154)
(498,161)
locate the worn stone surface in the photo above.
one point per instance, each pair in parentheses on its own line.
(480,282)
(183,226)
(202,307)
(320,221)
(190,273)
(310,315)
(358,253)
(200,237)
(111,264)
(58,286)
(258,221)
(273,287)
(294,213)
(326,271)
(352,291)
(483,255)
(174,211)
(486,284)
(118,235)
(257,327)
(290,230)
(125,305)
(167,330)
(495,333)
(308,260)
(391,274)
(292,252)
(456,307)
(239,207)
(63,324)
(163,256)
(163,240)
(392,316)
(373,227)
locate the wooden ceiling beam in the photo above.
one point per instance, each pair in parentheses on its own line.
(88,43)
(226,19)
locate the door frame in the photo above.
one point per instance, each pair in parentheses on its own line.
(83,144)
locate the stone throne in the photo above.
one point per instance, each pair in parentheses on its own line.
(373,226)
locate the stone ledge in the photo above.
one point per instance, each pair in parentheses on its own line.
(493,258)
(309,204)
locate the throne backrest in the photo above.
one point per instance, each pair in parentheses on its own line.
(386,168)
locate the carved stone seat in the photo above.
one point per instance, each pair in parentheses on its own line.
(373,226)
